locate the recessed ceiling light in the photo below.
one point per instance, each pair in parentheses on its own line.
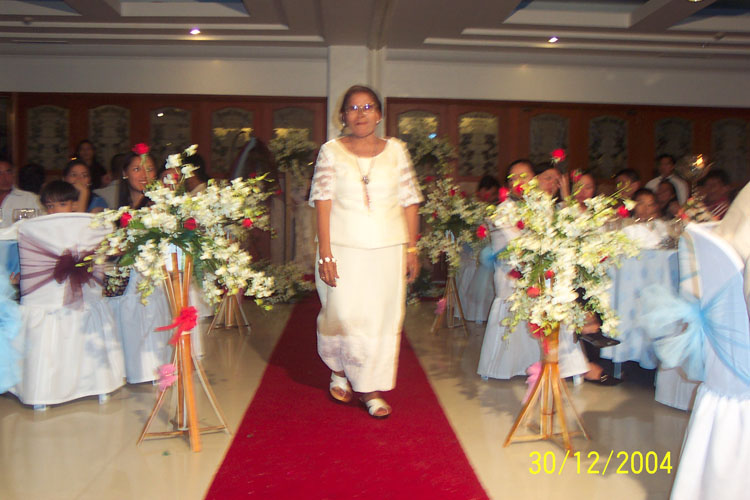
(195,31)
(160,114)
(553,39)
(695,1)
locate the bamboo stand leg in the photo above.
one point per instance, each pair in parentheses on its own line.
(452,301)
(229,314)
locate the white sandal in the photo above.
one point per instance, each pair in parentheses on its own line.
(375,404)
(343,384)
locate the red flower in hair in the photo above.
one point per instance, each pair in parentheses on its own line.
(141,148)
(247,223)
(125,219)
(502,194)
(190,224)
(623,212)
(482,232)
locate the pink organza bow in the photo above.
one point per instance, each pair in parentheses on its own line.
(184,322)
(533,372)
(40,266)
(167,375)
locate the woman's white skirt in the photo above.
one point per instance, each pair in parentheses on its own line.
(359,325)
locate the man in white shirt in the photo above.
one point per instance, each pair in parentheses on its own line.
(665,164)
(11,197)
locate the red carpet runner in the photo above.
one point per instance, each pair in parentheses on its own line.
(296,443)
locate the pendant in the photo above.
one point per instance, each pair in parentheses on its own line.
(365,180)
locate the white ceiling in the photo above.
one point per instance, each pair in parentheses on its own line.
(715,30)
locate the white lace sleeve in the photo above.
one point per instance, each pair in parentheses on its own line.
(408,187)
(323,180)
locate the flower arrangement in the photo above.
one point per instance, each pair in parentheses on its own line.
(695,210)
(206,226)
(559,252)
(453,219)
(431,156)
(293,152)
(289,283)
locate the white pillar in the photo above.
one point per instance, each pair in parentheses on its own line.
(347,66)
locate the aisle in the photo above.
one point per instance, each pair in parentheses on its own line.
(294,442)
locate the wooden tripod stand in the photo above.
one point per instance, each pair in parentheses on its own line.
(177,285)
(229,314)
(551,392)
(452,303)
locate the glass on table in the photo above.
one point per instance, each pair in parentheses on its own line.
(23,213)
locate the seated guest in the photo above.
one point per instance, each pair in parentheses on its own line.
(716,192)
(653,229)
(31,177)
(136,175)
(198,181)
(551,180)
(666,197)
(585,188)
(12,198)
(487,189)
(628,182)
(665,165)
(76,172)
(59,197)
(111,190)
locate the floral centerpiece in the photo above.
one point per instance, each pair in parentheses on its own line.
(293,152)
(289,282)
(206,226)
(453,218)
(561,258)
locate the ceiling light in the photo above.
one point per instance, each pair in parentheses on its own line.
(553,39)
(159,114)
(195,31)
(695,1)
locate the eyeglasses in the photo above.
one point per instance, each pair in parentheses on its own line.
(365,108)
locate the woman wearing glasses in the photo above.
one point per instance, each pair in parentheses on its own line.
(366,197)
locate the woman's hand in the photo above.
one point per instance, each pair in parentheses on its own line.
(328,272)
(412,267)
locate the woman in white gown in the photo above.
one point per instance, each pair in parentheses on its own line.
(366,197)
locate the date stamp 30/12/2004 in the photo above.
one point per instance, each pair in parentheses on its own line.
(622,462)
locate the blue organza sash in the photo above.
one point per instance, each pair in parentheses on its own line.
(680,324)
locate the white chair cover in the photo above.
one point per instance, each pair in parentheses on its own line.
(504,354)
(715,457)
(69,351)
(672,386)
(145,349)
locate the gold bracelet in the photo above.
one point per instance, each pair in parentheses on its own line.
(412,250)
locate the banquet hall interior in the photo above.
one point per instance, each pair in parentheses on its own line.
(614,83)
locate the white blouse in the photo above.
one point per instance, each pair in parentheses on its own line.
(366,215)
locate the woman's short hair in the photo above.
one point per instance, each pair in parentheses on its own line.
(58,191)
(72,163)
(644,191)
(356,89)
(542,167)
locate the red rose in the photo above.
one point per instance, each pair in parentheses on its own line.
(453,192)
(533,292)
(278,192)
(419,236)
(247,223)
(482,232)
(558,155)
(575,176)
(463,194)
(502,194)
(141,149)
(682,215)
(125,219)
(515,274)
(518,188)
(190,224)
(520,224)
(429,179)
(549,274)
(434,215)
(536,330)
(253,175)
(623,212)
